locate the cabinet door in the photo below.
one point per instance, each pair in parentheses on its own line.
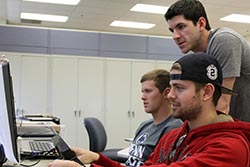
(164,64)
(138,113)
(30,83)
(118,79)
(91,94)
(64,95)
(34,85)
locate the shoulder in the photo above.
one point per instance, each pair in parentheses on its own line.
(172,122)
(144,124)
(147,122)
(224,34)
(227,47)
(170,136)
(222,142)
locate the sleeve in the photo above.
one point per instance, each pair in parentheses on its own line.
(106,162)
(227,48)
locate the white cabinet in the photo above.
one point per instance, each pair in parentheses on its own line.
(124,109)
(91,76)
(31,83)
(34,85)
(118,79)
(77,92)
(64,95)
(164,64)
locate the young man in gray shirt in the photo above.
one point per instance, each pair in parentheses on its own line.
(155,87)
(187,20)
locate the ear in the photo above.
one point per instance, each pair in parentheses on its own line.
(165,92)
(202,23)
(208,91)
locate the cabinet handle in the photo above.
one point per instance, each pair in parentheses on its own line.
(129,113)
(79,113)
(75,112)
(133,114)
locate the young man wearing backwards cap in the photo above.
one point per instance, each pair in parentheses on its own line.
(208,138)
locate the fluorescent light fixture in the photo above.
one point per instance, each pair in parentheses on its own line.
(237,18)
(64,2)
(130,24)
(149,8)
(44,17)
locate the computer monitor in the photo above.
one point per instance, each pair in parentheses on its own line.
(8,130)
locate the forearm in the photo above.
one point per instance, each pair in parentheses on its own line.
(225,99)
(224,103)
(106,162)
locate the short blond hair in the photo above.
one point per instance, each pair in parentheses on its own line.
(160,76)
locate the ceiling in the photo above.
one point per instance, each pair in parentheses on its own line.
(96,15)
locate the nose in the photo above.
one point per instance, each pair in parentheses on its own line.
(143,96)
(176,35)
(171,94)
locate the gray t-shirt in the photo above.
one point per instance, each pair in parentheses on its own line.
(233,53)
(147,137)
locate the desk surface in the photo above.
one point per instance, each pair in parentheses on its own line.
(40,123)
(42,163)
(124,152)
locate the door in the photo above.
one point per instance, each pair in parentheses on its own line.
(64,95)
(34,85)
(118,85)
(91,73)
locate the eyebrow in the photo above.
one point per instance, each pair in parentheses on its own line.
(177,25)
(176,84)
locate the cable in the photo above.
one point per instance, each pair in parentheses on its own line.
(35,155)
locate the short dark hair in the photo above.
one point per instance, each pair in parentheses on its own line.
(190,9)
(217,91)
(160,76)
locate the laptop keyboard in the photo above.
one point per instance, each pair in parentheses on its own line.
(41,146)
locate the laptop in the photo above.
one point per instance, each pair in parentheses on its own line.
(36,142)
(35,131)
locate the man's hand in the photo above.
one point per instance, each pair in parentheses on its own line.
(63,163)
(85,156)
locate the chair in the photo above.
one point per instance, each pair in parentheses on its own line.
(98,139)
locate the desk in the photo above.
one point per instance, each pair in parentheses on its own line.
(42,163)
(124,152)
(60,129)
(40,123)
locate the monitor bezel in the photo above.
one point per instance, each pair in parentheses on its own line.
(9,132)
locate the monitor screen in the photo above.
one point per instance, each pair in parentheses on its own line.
(8,133)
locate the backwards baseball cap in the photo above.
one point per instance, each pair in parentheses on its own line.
(201,67)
